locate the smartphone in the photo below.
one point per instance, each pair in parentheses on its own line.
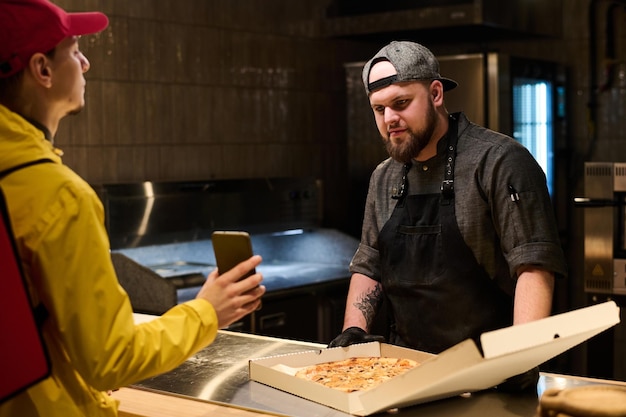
(231,248)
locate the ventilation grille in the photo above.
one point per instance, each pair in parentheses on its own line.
(598,285)
(604,170)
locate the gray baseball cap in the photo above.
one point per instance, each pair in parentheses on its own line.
(412,61)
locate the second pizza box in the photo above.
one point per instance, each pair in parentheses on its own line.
(462,368)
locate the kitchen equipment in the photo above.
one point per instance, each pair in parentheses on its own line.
(166,228)
(604,205)
(454,20)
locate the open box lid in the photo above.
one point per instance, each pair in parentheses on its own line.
(461,368)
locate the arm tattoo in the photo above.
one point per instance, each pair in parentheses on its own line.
(368,303)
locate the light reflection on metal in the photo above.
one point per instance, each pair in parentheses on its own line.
(598,246)
(217,382)
(148,190)
(289,232)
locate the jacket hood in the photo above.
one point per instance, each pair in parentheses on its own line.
(21,142)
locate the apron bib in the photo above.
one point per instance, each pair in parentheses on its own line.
(438,294)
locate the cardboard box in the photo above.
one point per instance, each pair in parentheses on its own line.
(460,369)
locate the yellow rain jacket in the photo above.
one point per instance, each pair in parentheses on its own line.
(93,343)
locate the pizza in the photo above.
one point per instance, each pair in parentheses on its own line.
(356,374)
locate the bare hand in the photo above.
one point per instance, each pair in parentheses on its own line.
(231,297)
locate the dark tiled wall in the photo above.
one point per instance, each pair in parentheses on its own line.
(206,89)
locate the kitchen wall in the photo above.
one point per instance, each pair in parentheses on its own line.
(206,89)
(210,89)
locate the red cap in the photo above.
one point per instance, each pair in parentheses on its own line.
(31,26)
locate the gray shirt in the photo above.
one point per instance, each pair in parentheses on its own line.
(496,228)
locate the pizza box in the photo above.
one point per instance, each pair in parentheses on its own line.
(460,369)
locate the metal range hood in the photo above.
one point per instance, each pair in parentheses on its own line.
(458,20)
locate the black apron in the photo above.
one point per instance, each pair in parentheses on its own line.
(438,294)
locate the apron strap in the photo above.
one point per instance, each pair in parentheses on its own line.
(447,185)
(401,191)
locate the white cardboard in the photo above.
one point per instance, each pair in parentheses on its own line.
(462,368)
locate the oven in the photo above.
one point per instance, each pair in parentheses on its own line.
(604,205)
(161,248)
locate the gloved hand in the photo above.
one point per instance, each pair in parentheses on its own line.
(526,381)
(353,335)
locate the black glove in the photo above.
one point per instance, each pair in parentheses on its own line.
(353,335)
(525,382)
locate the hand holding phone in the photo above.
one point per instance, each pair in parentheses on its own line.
(232,300)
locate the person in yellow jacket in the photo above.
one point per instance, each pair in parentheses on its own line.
(58,222)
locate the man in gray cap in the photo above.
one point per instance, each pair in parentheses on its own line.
(459,235)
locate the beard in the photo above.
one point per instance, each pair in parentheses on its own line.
(410,148)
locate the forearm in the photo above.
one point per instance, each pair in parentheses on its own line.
(364,298)
(533,294)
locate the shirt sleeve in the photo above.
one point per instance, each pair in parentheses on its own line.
(366,260)
(523,212)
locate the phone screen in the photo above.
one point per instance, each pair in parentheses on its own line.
(230,249)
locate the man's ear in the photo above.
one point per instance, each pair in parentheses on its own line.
(39,68)
(436,91)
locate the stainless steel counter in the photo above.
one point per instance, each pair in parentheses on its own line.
(219,374)
(290,260)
